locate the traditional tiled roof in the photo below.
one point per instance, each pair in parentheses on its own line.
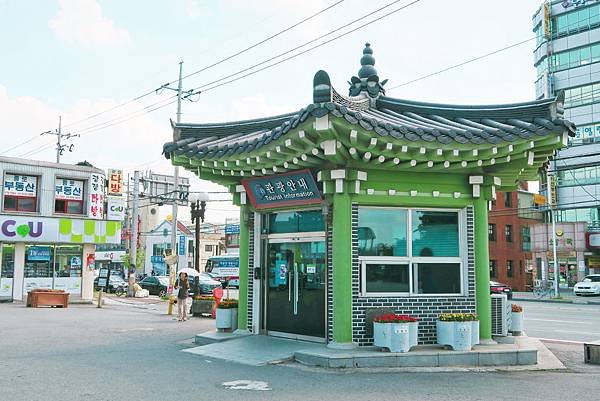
(380,132)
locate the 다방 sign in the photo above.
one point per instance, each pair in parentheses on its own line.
(67,189)
(294,188)
(96,197)
(115,179)
(20,185)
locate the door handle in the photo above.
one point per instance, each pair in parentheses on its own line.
(289,283)
(295,288)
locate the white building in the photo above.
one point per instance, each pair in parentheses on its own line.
(51,218)
(158,240)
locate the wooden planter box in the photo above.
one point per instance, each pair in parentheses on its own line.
(202,307)
(43,297)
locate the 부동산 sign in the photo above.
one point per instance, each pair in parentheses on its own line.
(294,188)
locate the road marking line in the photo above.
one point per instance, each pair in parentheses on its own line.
(557,321)
(247,385)
(556,341)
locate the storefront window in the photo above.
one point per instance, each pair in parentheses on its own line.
(295,222)
(382,232)
(53,266)
(7,268)
(432,265)
(38,266)
(67,267)
(434,233)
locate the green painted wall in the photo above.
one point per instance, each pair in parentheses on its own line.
(244,262)
(342,268)
(482,269)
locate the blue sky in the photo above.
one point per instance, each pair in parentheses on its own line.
(76,58)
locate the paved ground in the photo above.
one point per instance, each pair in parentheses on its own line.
(122,352)
(567,322)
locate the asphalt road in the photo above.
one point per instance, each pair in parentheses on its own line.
(557,321)
(125,353)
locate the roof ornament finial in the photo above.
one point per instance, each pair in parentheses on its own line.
(367,79)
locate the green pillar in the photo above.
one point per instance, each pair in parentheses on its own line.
(244,262)
(342,269)
(482,269)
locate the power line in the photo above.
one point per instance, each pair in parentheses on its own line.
(139,97)
(149,108)
(461,64)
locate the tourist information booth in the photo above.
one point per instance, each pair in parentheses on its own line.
(362,203)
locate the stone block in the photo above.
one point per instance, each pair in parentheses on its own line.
(341,362)
(498,358)
(527,357)
(458,359)
(383,361)
(413,360)
(311,359)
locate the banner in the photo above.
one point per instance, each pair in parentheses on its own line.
(24,186)
(68,189)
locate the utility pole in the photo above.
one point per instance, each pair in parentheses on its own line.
(134,230)
(60,148)
(181,94)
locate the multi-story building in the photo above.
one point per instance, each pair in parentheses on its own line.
(567,58)
(510,221)
(51,218)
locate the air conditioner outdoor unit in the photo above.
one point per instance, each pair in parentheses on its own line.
(501,315)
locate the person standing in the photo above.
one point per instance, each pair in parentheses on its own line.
(183,286)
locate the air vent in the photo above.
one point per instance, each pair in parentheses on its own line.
(500,315)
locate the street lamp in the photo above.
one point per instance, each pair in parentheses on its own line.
(198,204)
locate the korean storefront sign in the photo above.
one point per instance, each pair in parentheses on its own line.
(20,185)
(115,209)
(96,197)
(182,245)
(115,179)
(66,189)
(39,254)
(31,229)
(232,229)
(294,188)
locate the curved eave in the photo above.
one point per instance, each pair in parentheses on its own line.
(361,142)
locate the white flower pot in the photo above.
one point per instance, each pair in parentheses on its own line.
(461,336)
(226,319)
(516,325)
(397,337)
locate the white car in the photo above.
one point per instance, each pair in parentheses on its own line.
(589,286)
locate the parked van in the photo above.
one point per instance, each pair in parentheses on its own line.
(225,268)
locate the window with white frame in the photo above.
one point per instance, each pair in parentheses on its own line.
(20,193)
(68,196)
(409,251)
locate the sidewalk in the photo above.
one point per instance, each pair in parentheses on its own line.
(567,296)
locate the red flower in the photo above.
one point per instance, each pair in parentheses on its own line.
(394,318)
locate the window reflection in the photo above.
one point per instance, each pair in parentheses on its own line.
(382,232)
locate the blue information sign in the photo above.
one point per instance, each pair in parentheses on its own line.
(294,188)
(38,254)
(229,262)
(232,228)
(182,245)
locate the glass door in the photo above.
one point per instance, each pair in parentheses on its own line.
(296,282)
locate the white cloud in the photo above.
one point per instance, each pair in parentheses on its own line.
(194,10)
(81,22)
(134,145)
